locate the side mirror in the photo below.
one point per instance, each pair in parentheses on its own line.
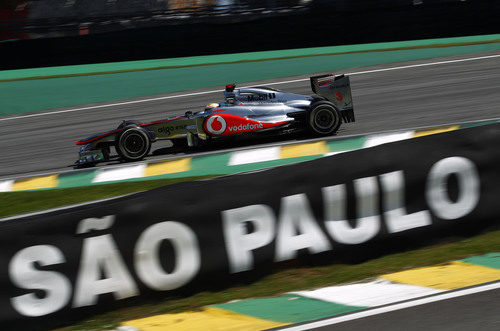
(188,113)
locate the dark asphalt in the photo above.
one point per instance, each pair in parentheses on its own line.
(479,311)
(387,100)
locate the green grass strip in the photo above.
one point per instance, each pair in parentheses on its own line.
(14,203)
(129,66)
(304,278)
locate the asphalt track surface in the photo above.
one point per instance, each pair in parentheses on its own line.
(475,311)
(408,97)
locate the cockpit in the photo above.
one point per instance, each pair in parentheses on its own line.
(212,106)
(249,95)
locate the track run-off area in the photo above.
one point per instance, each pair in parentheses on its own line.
(394,96)
(463,309)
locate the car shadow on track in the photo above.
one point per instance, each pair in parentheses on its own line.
(216,146)
(237,143)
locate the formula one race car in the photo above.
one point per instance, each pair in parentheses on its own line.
(249,111)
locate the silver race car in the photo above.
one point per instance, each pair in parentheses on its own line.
(249,111)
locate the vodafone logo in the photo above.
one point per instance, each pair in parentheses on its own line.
(216,124)
(246,127)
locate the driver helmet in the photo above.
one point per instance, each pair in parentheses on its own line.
(211,106)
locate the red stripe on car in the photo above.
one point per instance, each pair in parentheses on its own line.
(228,124)
(83,142)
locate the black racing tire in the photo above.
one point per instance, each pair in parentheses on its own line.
(324,118)
(127,123)
(133,143)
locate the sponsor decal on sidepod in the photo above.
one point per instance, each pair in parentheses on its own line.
(218,124)
(218,127)
(246,127)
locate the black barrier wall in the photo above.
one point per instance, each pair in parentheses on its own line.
(325,23)
(60,266)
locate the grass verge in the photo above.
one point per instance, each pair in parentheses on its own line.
(305,278)
(13,203)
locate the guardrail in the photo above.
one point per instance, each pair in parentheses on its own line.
(187,237)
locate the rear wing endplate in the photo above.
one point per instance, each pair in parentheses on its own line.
(336,89)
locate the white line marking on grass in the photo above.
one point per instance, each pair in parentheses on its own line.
(217,91)
(398,306)
(40,212)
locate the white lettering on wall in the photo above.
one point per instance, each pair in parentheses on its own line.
(468,188)
(240,243)
(147,257)
(56,287)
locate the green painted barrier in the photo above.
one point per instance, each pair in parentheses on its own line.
(101,68)
(87,84)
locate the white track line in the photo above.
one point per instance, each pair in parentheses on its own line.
(398,306)
(216,91)
(40,212)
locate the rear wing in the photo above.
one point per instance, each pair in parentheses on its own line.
(336,89)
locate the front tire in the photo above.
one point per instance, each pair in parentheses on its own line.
(127,123)
(324,118)
(133,143)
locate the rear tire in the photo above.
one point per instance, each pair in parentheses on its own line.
(133,143)
(324,118)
